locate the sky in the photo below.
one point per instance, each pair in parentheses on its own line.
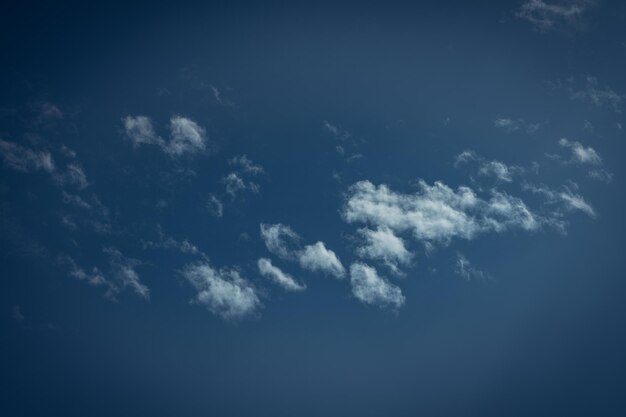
(291,209)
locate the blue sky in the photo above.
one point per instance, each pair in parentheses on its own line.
(340,209)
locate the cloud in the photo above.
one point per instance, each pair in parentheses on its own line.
(382,244)
(223,292)
(280,240)
(76,175)
(591,92)
(600,175)
(436,213)
(186,136)
(464,268)
(513,125)
(567,199)
(17,314)
(336,131)
(283,242)
(140,131)
(23,159)
(235,185)
(552,15)
(215,206)
(281,278)
(123,269)
(372,289)
(497,169)
(164,241)
(580,154)
(95,277)
(317,258)
(246,165)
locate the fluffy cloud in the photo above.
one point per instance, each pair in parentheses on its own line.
(437,213)
(215,206)
(317,258)
(580,154)
(370,288)
(382,244)
(223,292)
(140,131)
(186,136)
(546,15)
(280,240)
(275,274)
(235,185)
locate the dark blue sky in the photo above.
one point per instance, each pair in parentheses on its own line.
(283,209)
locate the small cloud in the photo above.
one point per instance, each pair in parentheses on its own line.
(246,165)
(551,15)
(23,159)
(589,90)
(215,206)
(580,154)
(123,269)
(336,131)
(600,175)
(281,278)
(317,258)
(17,314)
(223,292)
(280,240)
(370,288)
(235,185)
(513,125)
(140,131)
(464,268)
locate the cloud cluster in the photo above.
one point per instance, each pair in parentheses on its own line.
(222,291)
(186,136)
(436,213)
(283,242)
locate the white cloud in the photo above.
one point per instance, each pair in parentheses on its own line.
(600,175)
(317,258)
(235,185)
(246,165)
(464,268)
(497,169)
(336,131)
(566,198)
(370,288)
(546,15)
(140,131)
(280,240)
(275,274)
(437,213)
(382,244)
(580,154)
(123,269)
(94,278)
(76,175)
(223,292)
(186,137)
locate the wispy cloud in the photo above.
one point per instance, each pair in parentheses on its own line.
(243,162)
(514,125)
(275,274)
(464,268)
(235,185)
(566,198)
(222,291)
(215,206)
(588,89)
(123,269)
(581,154)
(495,168)
(370,288)
(549,15)
(94,277)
